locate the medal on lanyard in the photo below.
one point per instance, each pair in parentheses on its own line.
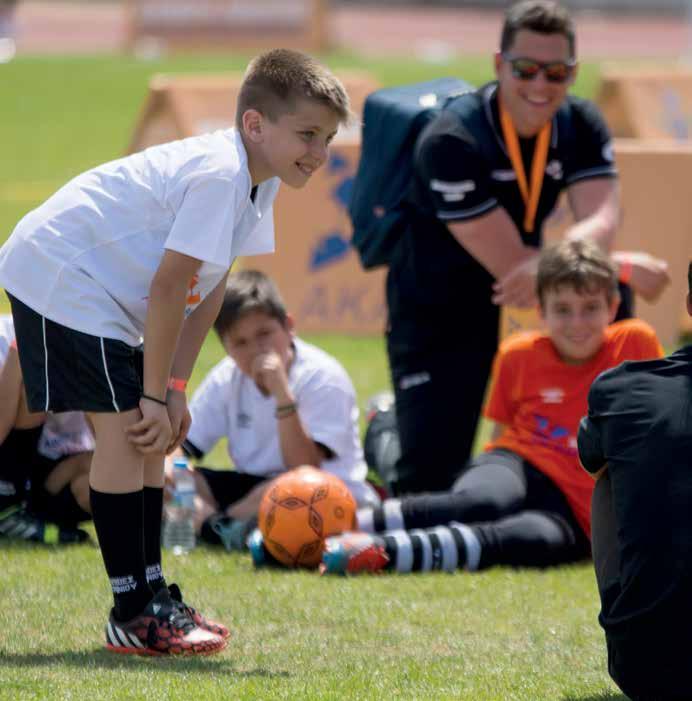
(529,193)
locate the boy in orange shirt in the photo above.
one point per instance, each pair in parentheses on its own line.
(524,501)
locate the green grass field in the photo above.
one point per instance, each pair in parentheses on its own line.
(499,635)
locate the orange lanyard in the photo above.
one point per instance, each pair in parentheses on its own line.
(540,157)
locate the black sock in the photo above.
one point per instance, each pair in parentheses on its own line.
(153,514)
(118,519)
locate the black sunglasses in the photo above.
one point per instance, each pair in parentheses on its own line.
(528,69)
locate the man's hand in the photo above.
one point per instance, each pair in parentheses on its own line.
(518,287)
(649,274)
(180,418)
(269,374)
(152,433)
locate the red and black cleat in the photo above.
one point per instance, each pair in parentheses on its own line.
(196,616)
(163,628)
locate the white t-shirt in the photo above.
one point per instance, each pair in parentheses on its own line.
(6,336)
(63,434)
(228,405)
(86,257)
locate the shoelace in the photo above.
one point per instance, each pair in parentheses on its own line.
(181,616)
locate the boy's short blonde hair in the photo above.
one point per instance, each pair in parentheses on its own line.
(276,79)
(579,264)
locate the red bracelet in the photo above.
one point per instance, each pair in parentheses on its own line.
(13,343)
(177,384)
(625,272)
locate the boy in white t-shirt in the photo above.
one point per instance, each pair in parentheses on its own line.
(44,461)
(138,250)
(280,402)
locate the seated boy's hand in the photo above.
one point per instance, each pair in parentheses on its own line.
(180,418)
(152,433)
(269,374)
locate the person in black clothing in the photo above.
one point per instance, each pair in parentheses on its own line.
(637,442)
(482,190)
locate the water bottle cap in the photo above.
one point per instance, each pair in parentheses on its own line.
(180,463)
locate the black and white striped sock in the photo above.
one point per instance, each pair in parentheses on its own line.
(385,517)
(446,548)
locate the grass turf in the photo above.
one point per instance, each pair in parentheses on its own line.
(502,634)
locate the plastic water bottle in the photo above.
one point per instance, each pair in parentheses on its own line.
(179,526)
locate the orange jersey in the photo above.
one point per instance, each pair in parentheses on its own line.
(540,399)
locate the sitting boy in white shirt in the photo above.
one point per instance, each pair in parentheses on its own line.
(280,402)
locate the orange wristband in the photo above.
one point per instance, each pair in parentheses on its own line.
(13,343)
(177,384)
(625,272)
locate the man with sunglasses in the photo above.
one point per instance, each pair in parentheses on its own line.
(487,173)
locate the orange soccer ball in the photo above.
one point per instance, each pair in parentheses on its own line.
(299,510)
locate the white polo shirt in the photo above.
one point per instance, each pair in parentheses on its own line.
(228,405)
(86,257)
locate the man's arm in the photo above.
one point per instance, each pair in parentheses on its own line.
(493,240)
(595,205)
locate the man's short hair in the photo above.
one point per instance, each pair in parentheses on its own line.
(249,291)
(579,264)
(276,79)
(541,16)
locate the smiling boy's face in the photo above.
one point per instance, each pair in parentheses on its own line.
(576,321)
(296,144)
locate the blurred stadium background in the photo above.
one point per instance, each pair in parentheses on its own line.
(606,28)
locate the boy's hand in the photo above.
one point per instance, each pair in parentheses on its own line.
(269,374)
(180,418)
(518,287)
(152,433)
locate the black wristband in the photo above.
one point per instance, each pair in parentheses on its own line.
(154,399)
(285,410)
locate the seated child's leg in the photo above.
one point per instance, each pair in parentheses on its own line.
(531,539)
(226,507)
(16,450)
(64,495)
(526,539)
(493,486)
(117,501)
(26,419)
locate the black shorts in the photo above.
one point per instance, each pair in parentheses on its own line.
(228,486)
(67,370)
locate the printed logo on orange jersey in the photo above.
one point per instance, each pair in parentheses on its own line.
(193,297)
(552,395)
